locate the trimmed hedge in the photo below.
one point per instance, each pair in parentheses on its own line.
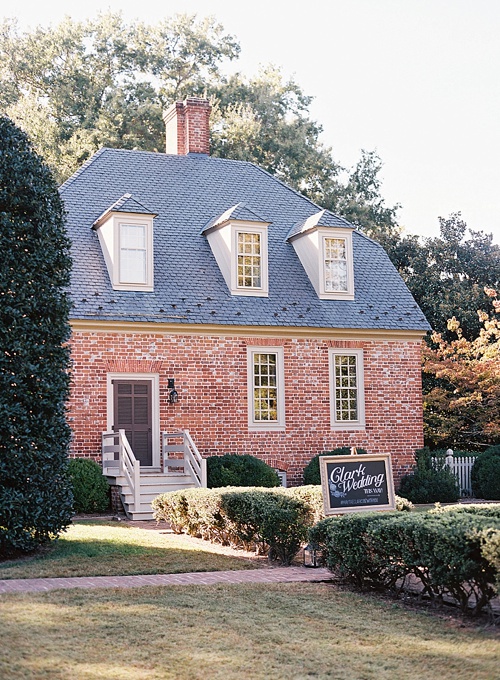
(485,474)
(90,488)
(311,471)
(484,509)
(262,518)
(430,482)
(233,469)
(453,554)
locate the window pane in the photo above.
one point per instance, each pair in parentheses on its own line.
(133,266)
(249,261)
(133,236)
(335,265)
(345,388)
(133,253)
(265,388)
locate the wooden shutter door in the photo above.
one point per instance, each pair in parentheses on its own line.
(133,413)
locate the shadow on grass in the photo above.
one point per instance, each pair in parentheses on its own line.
(97,548)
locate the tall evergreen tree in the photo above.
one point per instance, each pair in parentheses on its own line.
(35,495)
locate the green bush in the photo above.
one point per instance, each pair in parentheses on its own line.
(35,490)
(235,470)
(264,518)
(490,550)
(430,482)
(311,495)
(403,504)
(485,475)
(484,509)
(450,554)
(90,488)
(311,471)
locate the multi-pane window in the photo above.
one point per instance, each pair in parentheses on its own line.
(133,253)
(265,388)
(347,388)
(249,260)
(335,261)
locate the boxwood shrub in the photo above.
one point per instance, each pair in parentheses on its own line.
(430,482)
(240,470)
(454,554)
(267,519)
(485,475)
(90,488)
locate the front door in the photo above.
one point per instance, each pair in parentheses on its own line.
(132,412)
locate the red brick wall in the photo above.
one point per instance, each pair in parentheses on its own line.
(211,379)
(190,123)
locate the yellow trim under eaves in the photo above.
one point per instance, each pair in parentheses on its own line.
(94,326)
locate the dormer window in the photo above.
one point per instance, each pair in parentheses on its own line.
(125,233)
(337,264)
(323,243)
(133,253)
(238,239)
(335,261)
(249,260)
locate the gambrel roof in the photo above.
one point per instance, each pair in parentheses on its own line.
(188,194)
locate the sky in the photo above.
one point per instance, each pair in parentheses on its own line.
(416,80)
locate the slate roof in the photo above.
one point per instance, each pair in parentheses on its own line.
(236,212)
(186,193)
(323,218)
(125,204)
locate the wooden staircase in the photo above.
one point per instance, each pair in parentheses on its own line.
(183,468)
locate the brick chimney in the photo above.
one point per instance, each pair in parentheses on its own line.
(187,128)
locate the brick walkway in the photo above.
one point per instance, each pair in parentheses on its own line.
(276,575)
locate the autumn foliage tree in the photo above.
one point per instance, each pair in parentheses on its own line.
(462,385)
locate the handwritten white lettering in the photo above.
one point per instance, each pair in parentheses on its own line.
(345,480)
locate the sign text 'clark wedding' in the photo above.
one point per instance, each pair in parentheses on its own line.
(358,482)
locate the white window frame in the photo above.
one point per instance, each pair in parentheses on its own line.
(257,291)
(359,423)
(337,294)
(278,424)
(134,220)
(154,378)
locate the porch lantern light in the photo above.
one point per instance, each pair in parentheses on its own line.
(312,556)
(173,395)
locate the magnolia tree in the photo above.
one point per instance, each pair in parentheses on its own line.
(35,495)
(462,396)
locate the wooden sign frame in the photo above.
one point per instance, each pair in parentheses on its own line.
(357,483)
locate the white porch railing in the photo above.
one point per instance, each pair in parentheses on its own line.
(461,466)
(191,462)
(127,464)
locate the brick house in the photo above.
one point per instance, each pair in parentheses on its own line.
(210,297)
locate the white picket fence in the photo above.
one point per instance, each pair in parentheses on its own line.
(461,468)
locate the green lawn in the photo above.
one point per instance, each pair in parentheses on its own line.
(101,548)
(286,631)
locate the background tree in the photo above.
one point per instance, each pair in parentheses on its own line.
(35,496)
(462,402)
(79,86)
(447,274)
(82,85)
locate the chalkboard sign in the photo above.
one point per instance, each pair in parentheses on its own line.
(356,483)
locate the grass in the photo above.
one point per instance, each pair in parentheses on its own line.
(286,631)
(101,548)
